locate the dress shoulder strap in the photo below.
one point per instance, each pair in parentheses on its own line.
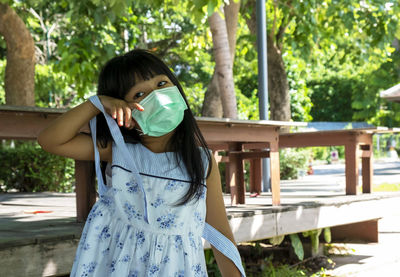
(224,245)
(119,142)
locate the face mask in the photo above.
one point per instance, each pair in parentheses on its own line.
(163,111)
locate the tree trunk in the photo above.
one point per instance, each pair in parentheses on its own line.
(231,12)
(278,86)
(20,68)
(212,105)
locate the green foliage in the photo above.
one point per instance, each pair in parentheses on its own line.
(292,160)
(284,270)
(342,94)
(327,235)
(297,246)
(330,98)
(52,89)
(385,142)
(212,267)
(300,101)
(28,168)
(333,51)
(314,236)
(276,240)
(334,46)
(323,153)
(2,91)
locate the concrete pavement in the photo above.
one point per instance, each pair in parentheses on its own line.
(365,259)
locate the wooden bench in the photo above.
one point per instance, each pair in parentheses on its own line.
(358,145)
(235,136)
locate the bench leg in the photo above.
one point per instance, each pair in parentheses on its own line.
(84,189)
(367,167)
(227,178)
(236,176)
(255,175)
(367,175)
(275,175)
(351,168)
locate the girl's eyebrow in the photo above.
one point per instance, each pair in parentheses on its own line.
(138,87)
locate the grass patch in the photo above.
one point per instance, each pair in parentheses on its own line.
(386,187)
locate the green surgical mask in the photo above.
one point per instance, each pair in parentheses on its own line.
(163,111)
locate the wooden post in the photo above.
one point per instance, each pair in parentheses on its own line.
(255,175)
(84,189)
(367,171)
(227,179)
(351,167)
(275,174)
(235,175)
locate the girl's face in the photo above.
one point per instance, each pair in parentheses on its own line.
(142,88)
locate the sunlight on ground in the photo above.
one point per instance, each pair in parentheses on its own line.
(50,268)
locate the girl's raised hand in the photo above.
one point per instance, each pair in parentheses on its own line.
(120,110)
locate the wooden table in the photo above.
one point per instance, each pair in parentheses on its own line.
(242,139)
(357,143)
(245,139)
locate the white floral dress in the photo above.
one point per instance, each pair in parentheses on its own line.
(116,240)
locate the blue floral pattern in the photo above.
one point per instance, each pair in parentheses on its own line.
(167,221)
(198,271)
(88,268)
(116,241)
(105,233)
(140,238)
(132,187)
(173,186)
(158,202)
(131,212)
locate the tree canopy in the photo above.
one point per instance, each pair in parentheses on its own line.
(329,51)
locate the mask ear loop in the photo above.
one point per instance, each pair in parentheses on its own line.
(139,131)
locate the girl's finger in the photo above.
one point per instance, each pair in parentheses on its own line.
(114,112)
(138,107)
(128,114)
(120,116)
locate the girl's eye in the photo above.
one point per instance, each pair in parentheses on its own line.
(162,83)
(138,95)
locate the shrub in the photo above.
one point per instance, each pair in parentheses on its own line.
(292,160)
(323,153)
(27,168)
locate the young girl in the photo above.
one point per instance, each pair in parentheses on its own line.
(163,190)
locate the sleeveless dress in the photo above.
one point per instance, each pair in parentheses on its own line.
(116,240)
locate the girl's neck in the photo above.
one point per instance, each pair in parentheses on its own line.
(158,144)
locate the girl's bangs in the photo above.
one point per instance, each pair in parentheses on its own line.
(145,69)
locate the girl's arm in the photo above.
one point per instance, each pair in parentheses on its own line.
(62,136)
(216,217)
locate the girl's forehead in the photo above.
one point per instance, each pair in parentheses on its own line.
(139,78)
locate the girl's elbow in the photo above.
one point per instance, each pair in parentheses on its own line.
(43,141)
(40,140)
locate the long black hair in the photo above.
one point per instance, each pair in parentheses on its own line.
(117,77)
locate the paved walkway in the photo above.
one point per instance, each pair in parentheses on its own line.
(362,259)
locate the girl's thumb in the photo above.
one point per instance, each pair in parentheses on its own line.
(138,107)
